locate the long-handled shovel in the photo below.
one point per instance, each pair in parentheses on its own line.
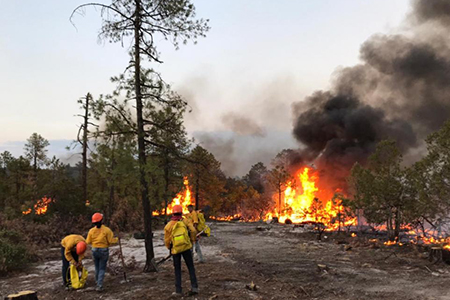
(164,259)
(123,261)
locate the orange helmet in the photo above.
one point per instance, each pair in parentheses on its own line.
(177,209)
(81,247)
(97,217)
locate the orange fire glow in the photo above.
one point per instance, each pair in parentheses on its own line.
(40,208)
(300,204)
(183,198)
(227,218)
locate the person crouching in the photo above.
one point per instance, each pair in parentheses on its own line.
(179,235)
(73,248)
(101,238)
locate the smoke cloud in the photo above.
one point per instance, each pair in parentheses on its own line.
(400,91)
(242,125)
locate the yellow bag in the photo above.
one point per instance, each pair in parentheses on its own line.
(207,231)
(180,238)
(76,281)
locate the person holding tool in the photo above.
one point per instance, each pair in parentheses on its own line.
(193,216)
(179,235)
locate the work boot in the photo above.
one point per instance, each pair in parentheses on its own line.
(193,292)
(176,295)
(99,289)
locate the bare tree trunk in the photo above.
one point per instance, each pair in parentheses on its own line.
(112,187)
(389,226)
(397,224)
(150,255)
(84,153)
(166,182)
(197,191)
(279,199)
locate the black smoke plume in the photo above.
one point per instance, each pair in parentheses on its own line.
(401,91)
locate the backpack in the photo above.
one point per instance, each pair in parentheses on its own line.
(202,225)
(75,280)
(180,238)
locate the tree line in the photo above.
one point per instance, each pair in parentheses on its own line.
(390,193)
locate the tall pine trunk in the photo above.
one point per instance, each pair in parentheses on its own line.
(150,255)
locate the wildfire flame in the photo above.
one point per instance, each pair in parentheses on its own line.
(301,204)
(183,198)
(40,208)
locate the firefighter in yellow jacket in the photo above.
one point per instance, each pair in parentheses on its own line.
(193,217)
(179,235)
(73,248)
(101,238)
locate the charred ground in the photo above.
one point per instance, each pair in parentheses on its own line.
(283,261)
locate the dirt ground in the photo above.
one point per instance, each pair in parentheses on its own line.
(283,262)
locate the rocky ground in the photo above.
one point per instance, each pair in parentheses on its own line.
(282,262)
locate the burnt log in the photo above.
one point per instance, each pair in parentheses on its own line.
(25,295)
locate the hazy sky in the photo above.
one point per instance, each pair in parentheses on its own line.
(258,58)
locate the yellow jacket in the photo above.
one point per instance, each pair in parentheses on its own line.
(168,231)
(101,237)
(69,243)
(193,217)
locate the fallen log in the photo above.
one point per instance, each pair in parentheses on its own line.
(24,295)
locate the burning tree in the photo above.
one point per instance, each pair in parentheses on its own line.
(280,179)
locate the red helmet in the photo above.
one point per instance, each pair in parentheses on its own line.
(97,217)
(81,247)
(177,209)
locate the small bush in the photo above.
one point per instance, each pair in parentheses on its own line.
(13,252)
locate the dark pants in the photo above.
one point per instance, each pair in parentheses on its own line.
(66,264)
(187,255)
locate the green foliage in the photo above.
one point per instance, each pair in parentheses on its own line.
(206,178)
(13,252)
(379,189)
(35,150)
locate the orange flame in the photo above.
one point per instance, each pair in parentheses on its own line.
(40,208)
(183,198)
(301,204)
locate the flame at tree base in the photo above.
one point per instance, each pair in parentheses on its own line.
(183,198)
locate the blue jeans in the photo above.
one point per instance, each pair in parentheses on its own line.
(101,256)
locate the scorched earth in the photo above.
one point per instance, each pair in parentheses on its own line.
(282,262)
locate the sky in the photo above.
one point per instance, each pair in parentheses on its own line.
(258,58)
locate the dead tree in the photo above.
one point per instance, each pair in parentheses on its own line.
(83,141)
